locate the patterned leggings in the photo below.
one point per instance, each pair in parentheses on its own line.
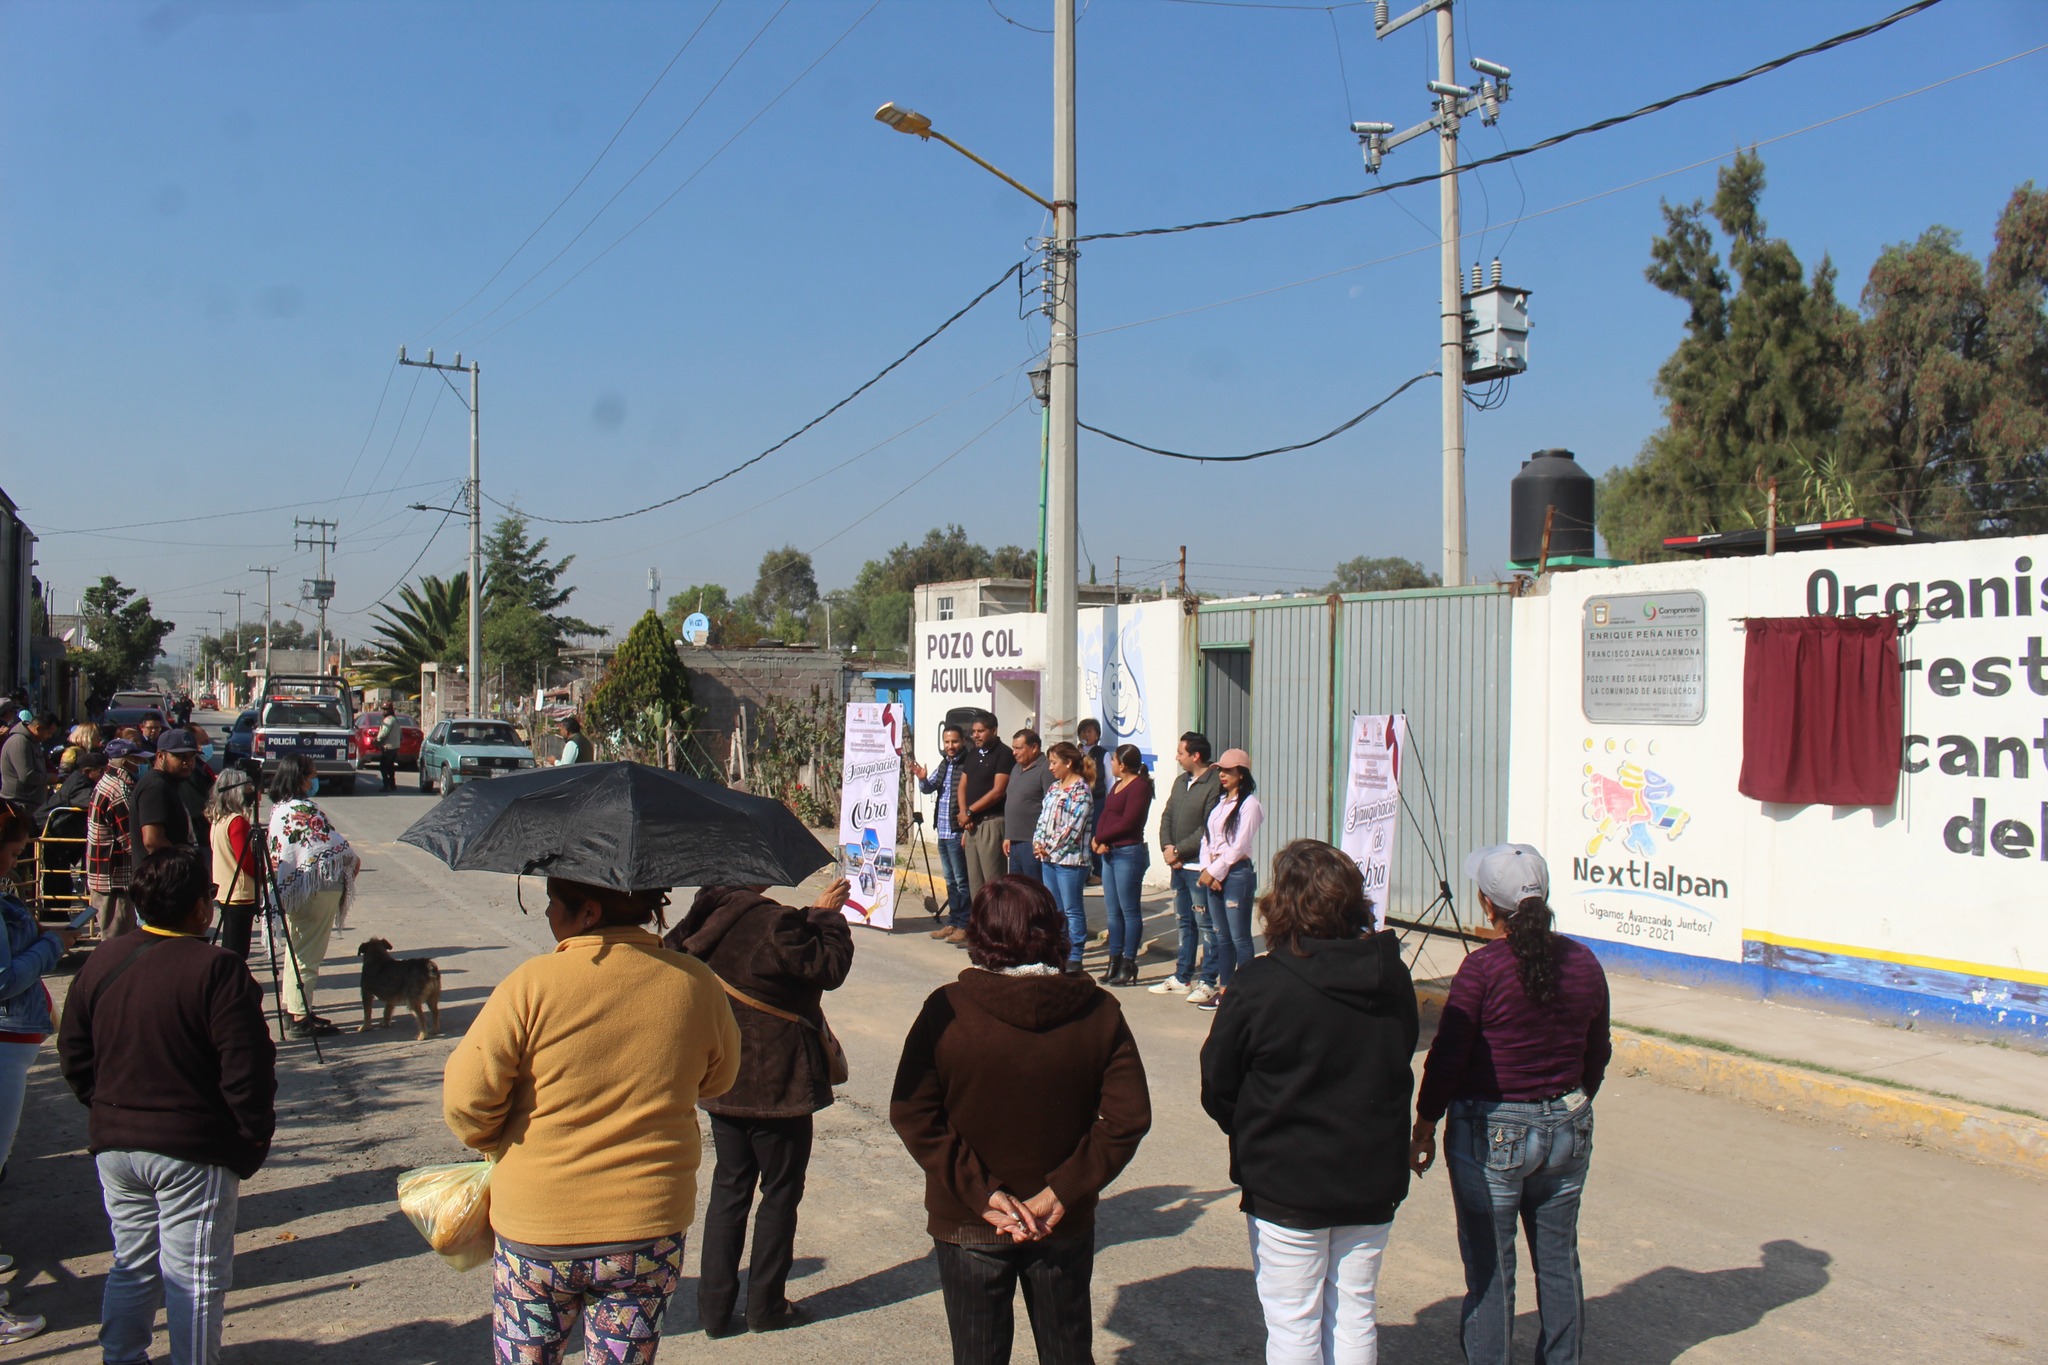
(535,1305)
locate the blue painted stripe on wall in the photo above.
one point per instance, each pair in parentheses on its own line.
(1848,984)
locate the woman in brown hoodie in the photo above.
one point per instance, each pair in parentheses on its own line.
(1022,1095)
(776,962)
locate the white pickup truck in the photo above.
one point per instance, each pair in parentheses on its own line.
(312,718)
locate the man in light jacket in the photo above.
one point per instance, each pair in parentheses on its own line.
(1188,802)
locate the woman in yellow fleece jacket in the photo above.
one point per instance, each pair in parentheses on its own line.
(582,1075)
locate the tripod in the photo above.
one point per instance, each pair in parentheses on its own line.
(270,910)
(1440,916)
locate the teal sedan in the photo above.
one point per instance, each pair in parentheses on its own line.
(465,749)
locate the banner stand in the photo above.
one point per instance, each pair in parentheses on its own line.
(1374,785)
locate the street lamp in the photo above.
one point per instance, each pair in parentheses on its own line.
(917,125)
(1056,386)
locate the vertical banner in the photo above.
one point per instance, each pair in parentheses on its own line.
(870,782)
(1372,803)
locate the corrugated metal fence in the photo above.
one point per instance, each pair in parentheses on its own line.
(1440,655)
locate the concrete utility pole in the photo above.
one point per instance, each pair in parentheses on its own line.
(320,589)
(1060,700)
(1454,103)
(654,590)
(269,613)
(475,498)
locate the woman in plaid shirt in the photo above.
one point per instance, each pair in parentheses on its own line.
(1061,840)
(109,842)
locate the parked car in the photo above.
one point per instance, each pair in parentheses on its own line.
(240,743)
(466,748)
(410,735)
(209,702)
(140,698)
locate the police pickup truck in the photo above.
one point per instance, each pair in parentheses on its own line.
(311,716)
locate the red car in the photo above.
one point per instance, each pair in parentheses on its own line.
(367,726)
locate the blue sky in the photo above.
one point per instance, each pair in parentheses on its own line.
(219,221)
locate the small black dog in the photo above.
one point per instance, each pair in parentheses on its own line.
(414,980)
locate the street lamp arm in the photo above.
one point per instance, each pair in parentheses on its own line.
(1037,198)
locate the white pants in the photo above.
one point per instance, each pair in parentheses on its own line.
(1319,1289)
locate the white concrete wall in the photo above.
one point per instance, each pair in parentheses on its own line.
(1136,688)
(1950,879)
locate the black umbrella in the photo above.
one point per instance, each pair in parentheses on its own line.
(623,825)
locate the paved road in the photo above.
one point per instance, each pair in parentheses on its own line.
(1712,1231)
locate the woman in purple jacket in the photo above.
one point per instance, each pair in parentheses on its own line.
(1517,1059)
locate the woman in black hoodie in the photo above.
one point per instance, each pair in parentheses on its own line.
(1308,1069)
(776,962)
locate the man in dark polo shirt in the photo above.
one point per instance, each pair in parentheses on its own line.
(1022,803)
(984,778)
(158,811)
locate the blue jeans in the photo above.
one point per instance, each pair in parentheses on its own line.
(15,1060)
(1067,881)
(953,861)
(1230,911)
(1024,863)
(1514,1162)
(174,1244)
(1191,912)
(1123,889)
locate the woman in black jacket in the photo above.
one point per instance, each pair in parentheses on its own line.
(1308,1069)
(776,962)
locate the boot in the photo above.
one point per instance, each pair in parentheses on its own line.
(1113,973)
(1130,976)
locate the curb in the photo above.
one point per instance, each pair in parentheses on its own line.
(1956,1127)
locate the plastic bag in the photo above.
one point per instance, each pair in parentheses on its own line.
(451,1206)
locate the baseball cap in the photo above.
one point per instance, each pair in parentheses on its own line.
(122,748)
(177,742)
(1508,874)
(1234,758)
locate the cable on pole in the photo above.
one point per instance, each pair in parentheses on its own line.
(1544,144)
(865,385)
(1276,450)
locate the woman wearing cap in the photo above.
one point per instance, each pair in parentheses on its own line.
(1517,1059)
(230,813)
(316,875)
(1309,1073)
(1227,871)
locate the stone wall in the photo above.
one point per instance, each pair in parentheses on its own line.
(726,682)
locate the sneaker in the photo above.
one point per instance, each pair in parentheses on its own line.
(1173,985)
(6,1264)
(1209,1006)
(1201,993)
(19,1327)
(308,1027)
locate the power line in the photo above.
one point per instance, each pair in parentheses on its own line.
(438,526)
(1580,202)
(1276,450)
(867,384)
(374,417)
(218,516)
(605,207)
(588,171)
(703,166)
(1543,144)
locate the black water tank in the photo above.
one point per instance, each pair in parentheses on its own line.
(1550,478)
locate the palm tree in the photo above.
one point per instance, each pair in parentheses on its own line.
(426,628)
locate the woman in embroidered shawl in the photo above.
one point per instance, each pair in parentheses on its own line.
(316,877)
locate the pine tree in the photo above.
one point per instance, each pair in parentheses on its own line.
(644,689)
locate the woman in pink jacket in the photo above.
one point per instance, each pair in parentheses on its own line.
(1228,876)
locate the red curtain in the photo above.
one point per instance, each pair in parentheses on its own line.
(1821,711)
